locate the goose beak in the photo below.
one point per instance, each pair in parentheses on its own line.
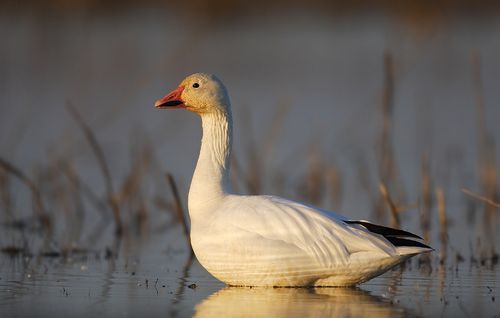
(172,100)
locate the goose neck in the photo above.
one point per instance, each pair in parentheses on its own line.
(210,181)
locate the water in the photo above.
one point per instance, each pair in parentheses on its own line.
(157,281)
(305,87)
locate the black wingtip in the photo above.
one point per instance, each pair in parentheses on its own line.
(396,237)
(384,230)
(397,241)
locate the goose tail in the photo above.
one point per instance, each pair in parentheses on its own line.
(406,243)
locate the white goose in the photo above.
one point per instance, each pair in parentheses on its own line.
(266,240)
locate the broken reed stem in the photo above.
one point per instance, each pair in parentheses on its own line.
(94,144)
(179,210)
(386,163)
(395,222)
(443,223)
(130,195)
(386,159)
(481,198)
(334,180)
(426,199)
(5,195)
(68,193)
(39,209)
(486,158)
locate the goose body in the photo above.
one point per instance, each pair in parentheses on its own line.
(267,240)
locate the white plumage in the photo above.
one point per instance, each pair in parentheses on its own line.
(267,240)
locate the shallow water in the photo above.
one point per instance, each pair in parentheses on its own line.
(154,281)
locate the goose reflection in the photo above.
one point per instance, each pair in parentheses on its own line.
(295,302)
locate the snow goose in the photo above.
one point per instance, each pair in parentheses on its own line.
(264,240)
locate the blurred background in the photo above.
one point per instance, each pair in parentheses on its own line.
(380,110)
(386,110)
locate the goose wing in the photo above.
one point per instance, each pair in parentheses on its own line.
(323,236)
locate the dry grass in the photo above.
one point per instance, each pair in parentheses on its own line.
(443,224)
(426,200)
(96,148)
(395,222)
(486,163)
(481,198)
(38,206)
(179,210)
(387,166)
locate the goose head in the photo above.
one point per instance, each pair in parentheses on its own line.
(200,93)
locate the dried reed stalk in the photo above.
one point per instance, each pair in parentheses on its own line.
(182,285)
(334,179)
(425,199)
(131,192)
(425,205)
(38,207)
(395,222)
(96,148)
(443,224)
(5,195)
(179,210)
(481,198)
(486,160)
(386,163)
(425,210)
(69,173)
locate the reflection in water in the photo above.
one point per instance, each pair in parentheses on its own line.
(179,294)
(295,302)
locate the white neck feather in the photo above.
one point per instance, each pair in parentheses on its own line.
(210,181)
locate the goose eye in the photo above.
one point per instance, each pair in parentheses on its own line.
(196,85)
